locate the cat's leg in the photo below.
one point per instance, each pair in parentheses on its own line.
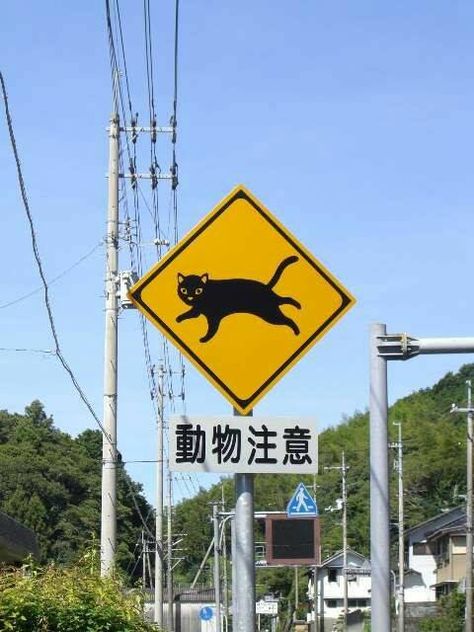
(192,313)
(212,327)
(278,318)
(287,300)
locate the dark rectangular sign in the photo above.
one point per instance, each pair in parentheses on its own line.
(292,541)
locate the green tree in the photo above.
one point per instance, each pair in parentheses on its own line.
(74,599)
(51,482)
(451,615)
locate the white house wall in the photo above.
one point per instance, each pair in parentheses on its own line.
(426,566)
(359,588)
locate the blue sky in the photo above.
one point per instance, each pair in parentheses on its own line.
(352,121)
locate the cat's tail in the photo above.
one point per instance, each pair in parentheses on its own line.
(279,271)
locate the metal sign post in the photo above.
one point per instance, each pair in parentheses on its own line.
(384,347)
(243,590)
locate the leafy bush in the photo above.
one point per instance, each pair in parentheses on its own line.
(74,599)
(451,617)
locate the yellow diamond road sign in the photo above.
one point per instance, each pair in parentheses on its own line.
(241,298)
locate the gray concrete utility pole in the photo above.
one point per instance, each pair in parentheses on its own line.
(217,575)
(385,347)
(344,539)
(315,571)
(108,532)
(469,526)
(243,553)
(169,566)
(401,531)
(224,561)
(343,469)
(158,609)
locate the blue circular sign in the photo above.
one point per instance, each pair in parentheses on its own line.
(206,613)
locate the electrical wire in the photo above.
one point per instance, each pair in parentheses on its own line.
(57,351)
(43,351)
(54,279)
(39,265)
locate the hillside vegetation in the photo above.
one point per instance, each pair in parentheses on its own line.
(52,483)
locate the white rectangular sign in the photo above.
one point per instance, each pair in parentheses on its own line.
(267,607)
(243,444)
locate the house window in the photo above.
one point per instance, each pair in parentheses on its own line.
(421,548)
(358,603)
(332,575)
(459,544)
(332,603)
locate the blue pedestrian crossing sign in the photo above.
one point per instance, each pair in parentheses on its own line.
(302,504)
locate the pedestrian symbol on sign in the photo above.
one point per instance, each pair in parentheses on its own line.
(301,504)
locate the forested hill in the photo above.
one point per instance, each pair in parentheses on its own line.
(434,464)
(52,483)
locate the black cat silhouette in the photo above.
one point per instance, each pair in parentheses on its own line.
(216,299)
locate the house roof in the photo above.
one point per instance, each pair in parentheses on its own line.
(16,540)
(455,527)
(440,520)
(446,582)
(335,561)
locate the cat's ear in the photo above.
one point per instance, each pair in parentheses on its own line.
(205,278)
(180,277)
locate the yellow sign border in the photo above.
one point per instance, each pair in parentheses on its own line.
(240,192)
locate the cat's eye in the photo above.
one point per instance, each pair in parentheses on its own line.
(183,290)
(198,290)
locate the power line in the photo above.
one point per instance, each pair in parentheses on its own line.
(43,351)
(39,264)
(54,279)
(57,352)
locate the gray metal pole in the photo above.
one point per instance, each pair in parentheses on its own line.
(469,509)
(169,567)
(316,599)
(469,538)
(315,571)
(233,570)
(143,562)
(108,533)
(243,589)
(224,563)
(202,565)
(297,595)
(446,345)
(401,534)
(344,540)
(343,468)
(217,576)
(379,488)
(158,610)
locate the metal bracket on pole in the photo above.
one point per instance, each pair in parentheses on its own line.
(403,346)
(126,280)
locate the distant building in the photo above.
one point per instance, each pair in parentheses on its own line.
(16,540)
(436,556)
(330,587)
